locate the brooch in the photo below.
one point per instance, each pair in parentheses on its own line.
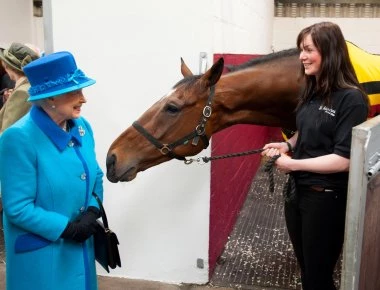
(81,131)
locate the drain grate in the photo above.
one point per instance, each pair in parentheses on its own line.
(258,254)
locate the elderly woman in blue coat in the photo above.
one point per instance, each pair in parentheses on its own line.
(48,172)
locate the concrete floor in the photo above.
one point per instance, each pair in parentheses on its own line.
(110,283)
(107,283)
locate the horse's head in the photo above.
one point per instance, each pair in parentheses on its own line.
(174,127)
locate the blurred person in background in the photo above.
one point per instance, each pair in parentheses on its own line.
(13,60)
(6,85)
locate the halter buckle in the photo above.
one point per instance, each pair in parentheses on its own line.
(200,130)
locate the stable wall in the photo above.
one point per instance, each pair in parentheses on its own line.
(133,50)
(364,32)
(18,23)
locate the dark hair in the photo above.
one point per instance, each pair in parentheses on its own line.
(336,71)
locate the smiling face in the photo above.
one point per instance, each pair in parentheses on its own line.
(65,107)
(310,56)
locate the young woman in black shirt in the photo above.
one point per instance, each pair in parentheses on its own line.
(331,103)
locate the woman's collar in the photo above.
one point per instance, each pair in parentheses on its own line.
(59,137)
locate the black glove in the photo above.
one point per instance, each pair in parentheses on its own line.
(83,227)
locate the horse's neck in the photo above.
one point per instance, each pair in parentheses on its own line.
(257,96)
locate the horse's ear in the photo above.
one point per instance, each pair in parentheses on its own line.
(186,72)
(212,76)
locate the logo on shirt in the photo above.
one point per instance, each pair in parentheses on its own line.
(327,110)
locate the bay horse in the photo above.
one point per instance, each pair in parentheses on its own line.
(262,91)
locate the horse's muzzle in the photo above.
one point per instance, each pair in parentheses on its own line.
(110,163)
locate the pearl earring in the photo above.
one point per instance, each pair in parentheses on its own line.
(53,106)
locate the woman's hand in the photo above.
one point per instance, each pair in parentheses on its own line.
(281,147)
(83,227)
(284,162)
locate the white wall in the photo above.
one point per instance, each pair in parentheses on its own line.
(133,50)
(18,24)
(243,26)
(364,32)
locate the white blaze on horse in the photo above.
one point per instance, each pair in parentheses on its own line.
(262,91)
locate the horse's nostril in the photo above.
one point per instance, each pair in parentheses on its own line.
(110,162)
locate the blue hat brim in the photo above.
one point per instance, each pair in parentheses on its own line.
(62,91)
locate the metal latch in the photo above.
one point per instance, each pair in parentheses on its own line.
(374,165)
(202,62)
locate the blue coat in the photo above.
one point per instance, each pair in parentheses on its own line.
(47,177)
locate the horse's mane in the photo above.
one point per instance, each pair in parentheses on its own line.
(264,59)
(187,80)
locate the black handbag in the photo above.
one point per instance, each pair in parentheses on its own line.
(105,242)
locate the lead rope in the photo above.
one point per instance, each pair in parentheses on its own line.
(206,159)
(289,191)
(269,167)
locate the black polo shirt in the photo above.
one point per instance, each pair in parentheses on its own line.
(324,130)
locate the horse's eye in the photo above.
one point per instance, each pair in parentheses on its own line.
(171,109)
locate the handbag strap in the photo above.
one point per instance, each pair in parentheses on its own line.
(102,211)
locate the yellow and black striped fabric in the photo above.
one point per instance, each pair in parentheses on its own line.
(367,68)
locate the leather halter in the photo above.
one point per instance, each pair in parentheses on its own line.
(199,132)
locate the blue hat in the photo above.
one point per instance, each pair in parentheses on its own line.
(53,75)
